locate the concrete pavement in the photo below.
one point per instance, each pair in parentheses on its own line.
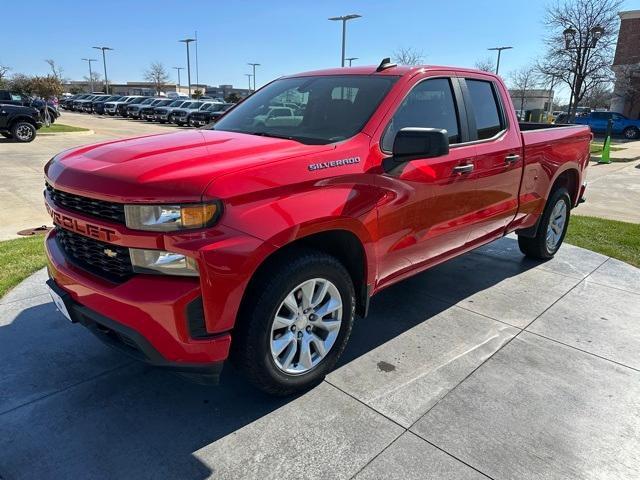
(488,366)
(22,164)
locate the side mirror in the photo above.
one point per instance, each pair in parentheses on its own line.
(413,142)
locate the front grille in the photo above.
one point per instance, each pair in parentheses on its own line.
(103,259)
(87,206)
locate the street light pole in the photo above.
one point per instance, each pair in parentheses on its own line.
(344,19)
(499,49)
(351,59)
(187,41)
(254,65)
(249,77)
(104,63)
(89,60)
(178,69)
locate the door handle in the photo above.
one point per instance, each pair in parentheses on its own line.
(466,168)
(513,158)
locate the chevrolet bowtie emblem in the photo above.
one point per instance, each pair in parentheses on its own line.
(110,253)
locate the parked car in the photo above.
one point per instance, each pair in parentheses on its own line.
(78,104)
(111,108)
(163,114)
(122,108)
(180,116)
(208,114)
(19,122)
(98,105)
(134,109)
(148,112)
(259,241)
(598,121)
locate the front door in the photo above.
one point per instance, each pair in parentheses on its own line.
(427,212)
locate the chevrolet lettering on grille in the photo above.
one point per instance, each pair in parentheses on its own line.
(84,228)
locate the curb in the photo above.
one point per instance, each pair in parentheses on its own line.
(53,134)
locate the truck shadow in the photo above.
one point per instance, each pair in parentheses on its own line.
(129,420)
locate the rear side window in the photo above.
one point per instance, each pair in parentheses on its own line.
(486,109)
(429,105)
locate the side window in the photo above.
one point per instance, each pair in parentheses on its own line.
(16,98)
(5,96)
(429,104)
(485,108)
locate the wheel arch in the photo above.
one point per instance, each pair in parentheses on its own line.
(343,244)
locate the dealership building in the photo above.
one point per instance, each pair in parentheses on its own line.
(626,66)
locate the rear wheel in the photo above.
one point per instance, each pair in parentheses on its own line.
(631,133)
(552,228)
(23,131)
(295,323)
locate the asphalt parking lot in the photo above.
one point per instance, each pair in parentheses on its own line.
(488,366)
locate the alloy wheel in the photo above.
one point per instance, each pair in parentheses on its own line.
(306,326)
(557,222)
(24,133)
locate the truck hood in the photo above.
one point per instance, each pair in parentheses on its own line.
(174,167)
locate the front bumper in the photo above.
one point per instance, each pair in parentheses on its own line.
(153,310)
(129,340)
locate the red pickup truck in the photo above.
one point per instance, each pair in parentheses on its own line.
(261,237)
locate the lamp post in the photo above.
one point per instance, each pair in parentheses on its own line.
(89,60)
(178,69)
(499,50)
(254,65)
(351,59)
(581,46)
(104,63)
(187,41)
(344,19)
(249,78)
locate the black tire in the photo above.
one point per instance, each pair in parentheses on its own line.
(23,132)
(537,247)
(631,133)
(162,121)
(251,346)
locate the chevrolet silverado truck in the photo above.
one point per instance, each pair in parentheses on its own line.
(259,240)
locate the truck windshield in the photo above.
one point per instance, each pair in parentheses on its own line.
(311,110)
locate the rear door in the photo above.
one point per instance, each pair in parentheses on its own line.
(429,213)
(498,161)
(598,121)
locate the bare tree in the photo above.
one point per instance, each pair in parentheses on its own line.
(94,80)
(158,75)
(4,72)
(581,69)
(56,70)
(408,56)
(598,97)
(486,65)
(628,83)
(521,81)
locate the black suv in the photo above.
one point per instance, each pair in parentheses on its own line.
(8,97)
(19,122)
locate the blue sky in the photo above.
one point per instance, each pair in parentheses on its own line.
(284,36)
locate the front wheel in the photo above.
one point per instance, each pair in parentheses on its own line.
(295,322)
(631,133)
(552,228)
(23,132)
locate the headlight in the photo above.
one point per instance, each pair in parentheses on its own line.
(159,261)
(169,218)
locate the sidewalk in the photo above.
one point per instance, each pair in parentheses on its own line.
(613,190)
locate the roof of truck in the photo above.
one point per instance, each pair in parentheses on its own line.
(391,70)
